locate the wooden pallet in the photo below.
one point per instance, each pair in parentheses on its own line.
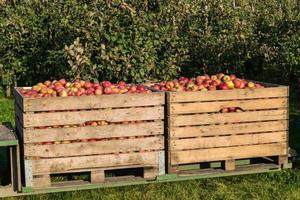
(199,132)
(56,138)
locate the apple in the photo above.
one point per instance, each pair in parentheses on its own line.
(232,77)
(121,83)
(106,84)
(226,78)
(230,84)
(68,84)
(107,90)
(63,81)
(212,87)
(223,86)
(224,110)
(88,85)
(237,83)
(47,83)
(232,109)
(37,88)
(98,92)
(250,85)
(213,77)
(63,93)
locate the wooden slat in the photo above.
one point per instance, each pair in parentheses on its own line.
(19,115)
(251,104)
(55,165)
(212,130)
(97,176)
(88,132)
(227,153)
(42,181)
(229,165)
(18,99)
(93,102)
(221,118)
(94,148)
(229,94)
(79,117)
(227,141)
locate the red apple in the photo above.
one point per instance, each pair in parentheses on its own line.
(106,84)
(63,81)
(223,86)
(107,90)
(237,83)
(88,85)
(232,77)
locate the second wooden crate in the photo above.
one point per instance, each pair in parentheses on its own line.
(199,132)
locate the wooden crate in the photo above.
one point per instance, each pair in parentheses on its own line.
(119,145)
(198,132)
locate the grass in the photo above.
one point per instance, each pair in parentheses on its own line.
(276,185)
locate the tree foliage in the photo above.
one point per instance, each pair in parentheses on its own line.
(136,40)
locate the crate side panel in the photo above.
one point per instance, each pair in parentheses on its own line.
(58,165)
(227,141)
(225,129)
(88,132)
(272,92)
(221,118)
(226,153)
(94,148)
(79,117)
(94,102)
(206,107)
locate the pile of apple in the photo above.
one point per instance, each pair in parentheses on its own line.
(206,83)
(62,88)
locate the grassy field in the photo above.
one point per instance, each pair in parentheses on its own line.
(283,185)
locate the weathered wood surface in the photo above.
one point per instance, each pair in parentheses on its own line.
(6,133)
(89,102)
(98,132)
(94,148)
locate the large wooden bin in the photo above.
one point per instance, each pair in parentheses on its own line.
(130,135)
(198,132)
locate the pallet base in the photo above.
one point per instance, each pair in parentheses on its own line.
(229,165)
(126,181)
(95,176)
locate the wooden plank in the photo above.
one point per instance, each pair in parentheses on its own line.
(225,129)
(19,115)
(227,141)
(18,99)
(281,160)
(251,104)
(93,102)
(229,94)
(229,165)
(79,117)
(88,132)
(58,165)
(150,173)
(97,176)
(94,148)
(42,181)
(6,133)
(221,118)
(227,153)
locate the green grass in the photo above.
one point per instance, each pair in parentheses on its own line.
(276,185)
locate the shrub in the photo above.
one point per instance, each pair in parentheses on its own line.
(137,40)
